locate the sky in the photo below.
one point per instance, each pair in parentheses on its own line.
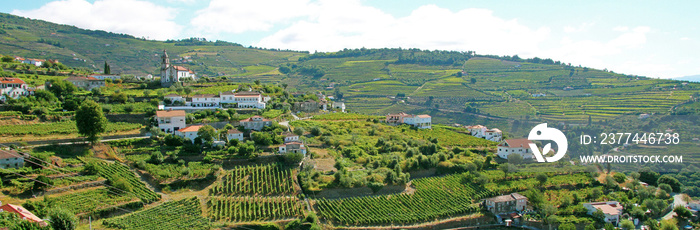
(658,39)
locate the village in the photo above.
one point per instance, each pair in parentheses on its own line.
(171,122)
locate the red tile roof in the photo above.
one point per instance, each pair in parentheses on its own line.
(7,154)
(192,128)
(423,116)
(204,95)
(233,131)
(517,143)
(11,80)
(170,113)
(23,213)
(172,95)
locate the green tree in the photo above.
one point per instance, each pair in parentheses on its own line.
(61,88)
(42,182)
(122,185)
(567,226)
(207,133)
(107,68)
(90,120)
(119,97)
(62,219)
(515,159)
(673,182)
(627,225)
(609,226)
(590,226)
(293,158)
(473,80)
(541,177)
(682,212)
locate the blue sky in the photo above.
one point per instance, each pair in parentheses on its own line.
(648,38)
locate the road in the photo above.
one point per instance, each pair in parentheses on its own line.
(677,200)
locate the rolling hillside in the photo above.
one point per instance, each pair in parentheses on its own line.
(445,84)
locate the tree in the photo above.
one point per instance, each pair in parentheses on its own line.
(567,226)
(293,158)
(665,187)
(673,182)
(667,225)
(90,120)
(620,178)
(156,158)
(107,68)
(119,97)
(62,219)
(627,225)
(515,159)
(61,88)
(507,168)
(122,185)
(682,212)
(590,226)
(42,182)
(473,80)
(609,226)
(542,178)
(207,133)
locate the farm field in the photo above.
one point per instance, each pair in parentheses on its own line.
(182,214)
(265,180)
(247,209)
(435,198)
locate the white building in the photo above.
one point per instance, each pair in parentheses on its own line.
(255,123)
(422,121)
(13,88)
(290,137)
(86,83)
(515,146)
(205,100)
(106,76)
(292,147)
(234,134)
(170,74)
(31,61)
(174,98)
(339,105)
(481,131)
(611,209)
(189,132)
(170,121)
(513,202)
(11,159)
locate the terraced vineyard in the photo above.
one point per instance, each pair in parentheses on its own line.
(182,214)
(435,198)
(114,171)
(265,180)
(243,209)
(67,127)
(92,200)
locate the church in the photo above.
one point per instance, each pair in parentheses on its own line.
(169,74)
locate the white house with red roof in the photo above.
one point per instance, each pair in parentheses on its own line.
(422,121)
(170,121)
(229,99)
(611,209)
(106,76)
(292,147)
(13,88)
(31,61)
(189,132)
(255,123)
(481,131)
(234,134)
(86,83)
(11,159)
(23,213)
(513,202)
(515,146)
(170,74)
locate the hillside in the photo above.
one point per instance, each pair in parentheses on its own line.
(126,54)
(454,87)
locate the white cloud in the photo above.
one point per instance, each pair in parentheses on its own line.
(334,25)
(581,28)
(134,17)
(238,16)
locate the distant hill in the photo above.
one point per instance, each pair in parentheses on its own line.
(452,86)
(78,47)
(693,78)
